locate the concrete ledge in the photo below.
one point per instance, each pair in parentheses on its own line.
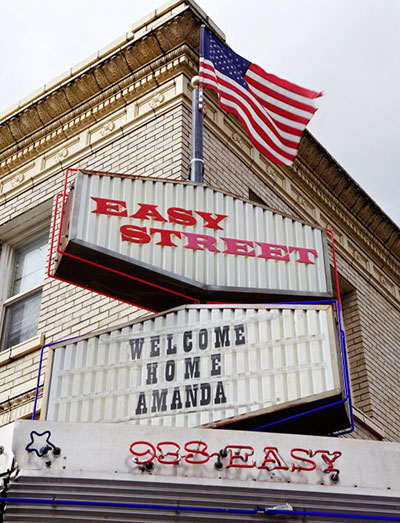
(17,351)
(369,423)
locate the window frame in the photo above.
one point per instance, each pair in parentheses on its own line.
(15,235)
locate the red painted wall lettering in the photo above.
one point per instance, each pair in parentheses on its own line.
(148,211)
(211,222)
(181,216)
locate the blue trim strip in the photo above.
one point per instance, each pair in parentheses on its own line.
(188,508)
(346,379)
(40,369)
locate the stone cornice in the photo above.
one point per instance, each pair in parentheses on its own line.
(339,213)
(353,240)
(105,103)
(20,406)
(90,136)
(79,91)
(16,401)
(351,196)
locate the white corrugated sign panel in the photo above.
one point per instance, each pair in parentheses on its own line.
(196,365)
(216,259)
(101,451)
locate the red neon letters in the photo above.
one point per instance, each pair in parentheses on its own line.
(196,452)
(195,241)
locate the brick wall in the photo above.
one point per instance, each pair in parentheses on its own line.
(226,171)
(372,330)
(355,350)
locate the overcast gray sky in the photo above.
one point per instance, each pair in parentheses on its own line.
(348,48)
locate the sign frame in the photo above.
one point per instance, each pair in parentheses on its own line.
(296,417)
(155,288)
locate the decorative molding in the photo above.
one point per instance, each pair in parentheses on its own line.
(180,60)
(125,63)
(56,157)
(362,260)
(306,204)
(341,215)
(271,172)
(102,131)
(107,128)
(237,138)
(19,407)
(125,119)
(301,200)
(277,176)
(390,286)
(17,180)
(346,198)
(61,154)
(209,111)
(17,401)
(156,100)
(149,103)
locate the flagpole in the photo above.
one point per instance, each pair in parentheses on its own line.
(197,163)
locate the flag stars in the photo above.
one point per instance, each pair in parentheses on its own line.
(225,60)
(226,72)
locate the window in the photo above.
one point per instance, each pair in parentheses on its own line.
(23,267)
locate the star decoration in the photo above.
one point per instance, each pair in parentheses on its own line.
(38,445)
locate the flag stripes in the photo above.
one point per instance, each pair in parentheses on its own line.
(260,127)
(273,111)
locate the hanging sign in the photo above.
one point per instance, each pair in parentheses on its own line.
(241,366)
(159,243)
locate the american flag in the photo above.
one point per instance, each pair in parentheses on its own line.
(273,111)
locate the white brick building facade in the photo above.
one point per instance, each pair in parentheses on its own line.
(129,111)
